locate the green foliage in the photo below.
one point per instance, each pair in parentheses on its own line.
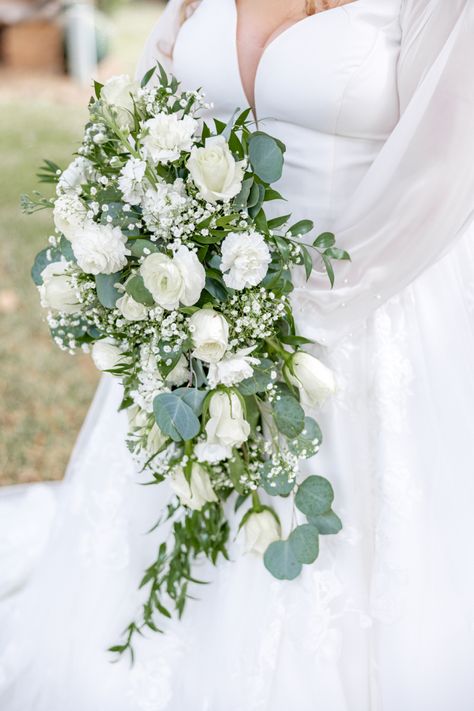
(138,291)
(288,414)
(266,156)
(281,562)
(307,443)
(327,523)
(314,496)
(107,293)
(304,543)
(175,417)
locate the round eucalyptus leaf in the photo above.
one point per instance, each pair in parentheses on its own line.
(43,258)
(106,291)
(66,249)
(139,247)
(266,157)
(281,562)
(327,523)
(308,441)
(314,496)
(175,418)
(304,543)
(288,414)
(258,381)
(192,397)
(138,291)
(278,485)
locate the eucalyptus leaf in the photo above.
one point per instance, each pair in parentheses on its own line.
(106,290)
(314,496)
(138,291)
(259,381)
(192,397)
(266,157)
(327,523)
(308,442)
(175,418)
(43,258)
(140,247)
(66,249)
(277,485)
(281,562)
(304,543)
(288,414)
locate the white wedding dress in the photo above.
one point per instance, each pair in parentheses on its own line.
(375,103)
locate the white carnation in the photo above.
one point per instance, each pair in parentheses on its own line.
(130,181)
(69,214)
(57,291)
(232,369)
(210,335)
(100,249)
(245,259)
(130,309)
(174,280)
(167,136)
(75,176)
(214,170)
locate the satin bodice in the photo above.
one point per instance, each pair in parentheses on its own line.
(326,86)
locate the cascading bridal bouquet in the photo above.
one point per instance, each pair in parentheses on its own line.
(164,265)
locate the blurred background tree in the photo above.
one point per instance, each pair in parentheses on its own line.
(44,393)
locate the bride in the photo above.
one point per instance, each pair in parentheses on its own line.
(375,102)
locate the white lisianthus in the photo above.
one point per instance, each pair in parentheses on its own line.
(130,181)
(314,380)
(210,335)
(100,249)
(167,136)
(214,170)
(232,369)
(57,291)
(75,176)
(179,374)
(106,354)
(130,309)
(211,453)
(195,493)
(69,214)
(119,92)
(226,425)
(261,529)
(245,259)
(174,280)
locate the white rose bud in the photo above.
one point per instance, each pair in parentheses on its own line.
(174,280)
(179,374)
(214,170)
(57,291)
(195,493)
(232,369)
(106,354)
(245,259)
(167,136)
(100,249)
(130,309)
(261,529)
(119,92)
(210,335)
(226,425)
(314,380)
(155,440)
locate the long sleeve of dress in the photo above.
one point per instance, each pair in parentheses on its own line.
(417,198)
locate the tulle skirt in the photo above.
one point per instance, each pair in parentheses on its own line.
(383,621)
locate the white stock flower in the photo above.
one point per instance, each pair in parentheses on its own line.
(232,369)
(245,259)
(130,181)
(209,334)
(100,249)
(57,291)
(119,92)
(162,204)
(315,380)
(195,493)
(179,374)
(106,354)
(130,309)
(75,176)
(214,170)
(69,214)
(167,136)
(261,529)
(174,280)
(226,425)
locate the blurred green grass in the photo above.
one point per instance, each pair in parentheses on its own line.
(44,393)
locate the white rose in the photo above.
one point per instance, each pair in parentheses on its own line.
(137,418)
(261,529)
(195,493)
(100,249)
(314,380)
(130,309)
(174,280)
(210,335)
(232,369)
(179,374)
(226,425)
(245,258)
(70,215)
(167,136)
(119,92)
(215,171)
(75,176)
(130,181)
(212,453)
(106,354)
(57,291)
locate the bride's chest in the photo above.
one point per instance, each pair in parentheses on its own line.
(334,72)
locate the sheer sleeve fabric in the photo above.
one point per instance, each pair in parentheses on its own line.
(159,46)
(417,198)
